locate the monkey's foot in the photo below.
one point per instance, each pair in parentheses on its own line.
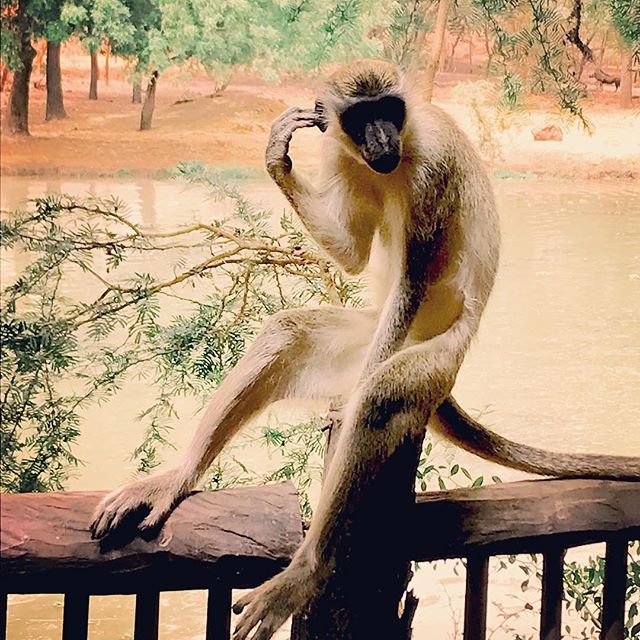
(143,505)
(268,606)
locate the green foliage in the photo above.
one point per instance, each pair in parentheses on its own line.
(626,18)
(432,473)
(59,355)
(298,450)
(583,583)
(407,27)
(9,45)
(530,51)
(94,20)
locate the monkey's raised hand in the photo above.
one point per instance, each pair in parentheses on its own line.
(144,504)
(277,155)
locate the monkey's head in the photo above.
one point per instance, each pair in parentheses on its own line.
(364,108)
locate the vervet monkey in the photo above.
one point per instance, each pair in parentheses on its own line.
(403,194)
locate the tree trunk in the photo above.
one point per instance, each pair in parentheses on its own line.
(136,93)
(626,80)
(434,59)
(55,102)
(362,602)
(4,76)
(149,103)
(451,66)
(19,98)
(107,53)
(603,47)
(95,74)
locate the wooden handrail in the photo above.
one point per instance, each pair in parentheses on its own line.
(532,516)
(238,538)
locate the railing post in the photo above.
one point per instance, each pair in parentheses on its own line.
(615,587)
(552,594)
(3,616)
(75,620)
(475,599)
(147,616)
(219,613)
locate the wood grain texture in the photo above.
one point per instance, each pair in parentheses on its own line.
(239,537)
(523,517)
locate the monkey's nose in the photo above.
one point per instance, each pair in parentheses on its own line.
(385,163)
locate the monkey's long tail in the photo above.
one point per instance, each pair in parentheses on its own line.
(461,429)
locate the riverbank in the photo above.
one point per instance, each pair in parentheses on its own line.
(192,122)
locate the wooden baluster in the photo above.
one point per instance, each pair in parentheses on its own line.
(219,613)
(475,599)
(75,617)
(615,587)
(552,593)
(147,616)
(3,616)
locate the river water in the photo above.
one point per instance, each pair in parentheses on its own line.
(556,364)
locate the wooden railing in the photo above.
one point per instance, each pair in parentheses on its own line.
(218,541)
(231,539)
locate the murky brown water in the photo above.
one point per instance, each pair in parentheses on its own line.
(556,364)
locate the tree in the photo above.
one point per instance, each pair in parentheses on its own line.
(435,54)
(145,18)
(94,21)
(48,24)
(48,340)
(218,37)
(626,19)
(18,53)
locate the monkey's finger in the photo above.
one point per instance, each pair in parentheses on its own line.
(103,524)
(240,604)
(116,507)
(246,624)
(301,118)
(267,628)
(102,506)
(289,113)
(157,516)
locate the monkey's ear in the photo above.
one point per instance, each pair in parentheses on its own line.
(322,120)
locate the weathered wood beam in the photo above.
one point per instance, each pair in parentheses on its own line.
(239,537)
(533,516)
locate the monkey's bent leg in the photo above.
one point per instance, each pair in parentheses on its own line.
(393,403)
(303,353)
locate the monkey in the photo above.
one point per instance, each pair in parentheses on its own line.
(404,197)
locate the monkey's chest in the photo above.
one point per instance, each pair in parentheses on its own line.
(385,260)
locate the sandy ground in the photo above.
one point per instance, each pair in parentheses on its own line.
(191,123)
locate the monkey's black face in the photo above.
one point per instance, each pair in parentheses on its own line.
(374,125)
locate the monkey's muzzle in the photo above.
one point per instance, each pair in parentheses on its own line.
(382,146)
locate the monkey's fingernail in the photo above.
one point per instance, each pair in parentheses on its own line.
(237,608)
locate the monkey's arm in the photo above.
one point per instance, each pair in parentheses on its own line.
(335,230)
